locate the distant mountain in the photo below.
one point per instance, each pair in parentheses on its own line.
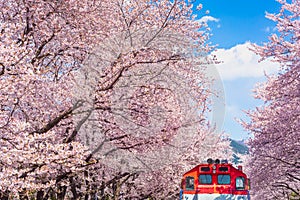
(239,147)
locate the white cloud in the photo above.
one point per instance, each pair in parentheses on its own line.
(267,29)
(240,62)
(234,110)
(208,18)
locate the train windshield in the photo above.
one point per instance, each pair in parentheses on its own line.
(223,179)
(205,179)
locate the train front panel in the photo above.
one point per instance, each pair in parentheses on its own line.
(215,181)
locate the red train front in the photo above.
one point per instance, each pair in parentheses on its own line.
(215,180)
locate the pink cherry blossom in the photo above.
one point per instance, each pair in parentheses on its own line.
(275,125)
(99,96)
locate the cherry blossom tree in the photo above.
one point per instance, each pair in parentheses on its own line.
(92,92)
(275,164)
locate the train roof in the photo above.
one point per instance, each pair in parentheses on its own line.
(219,164)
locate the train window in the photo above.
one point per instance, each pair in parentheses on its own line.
(223,179)
(205,169)
(240,183)
(205,179)
(223,169)
(189,183)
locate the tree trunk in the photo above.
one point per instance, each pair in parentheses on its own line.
(73,188)
(61,193)
(40,195)
(116,189)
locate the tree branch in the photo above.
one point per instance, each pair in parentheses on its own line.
(163,25)
(56,120)
(79,125)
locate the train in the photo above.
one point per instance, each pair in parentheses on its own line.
(215,180)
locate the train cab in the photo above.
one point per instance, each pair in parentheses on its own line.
(215,180)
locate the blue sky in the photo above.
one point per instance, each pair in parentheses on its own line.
(235,24)
(239,20)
